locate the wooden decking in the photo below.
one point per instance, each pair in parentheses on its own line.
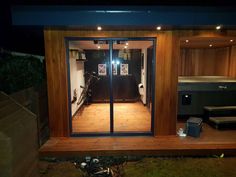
(210,142)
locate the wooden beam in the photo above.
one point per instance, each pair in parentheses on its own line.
(167,56)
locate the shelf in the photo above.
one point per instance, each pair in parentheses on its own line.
(81,60)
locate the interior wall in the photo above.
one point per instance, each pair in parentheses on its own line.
(76,79)
(204,62)
(144,76)
(125,87)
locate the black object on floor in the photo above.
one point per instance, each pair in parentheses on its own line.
(220,117)
(193,126)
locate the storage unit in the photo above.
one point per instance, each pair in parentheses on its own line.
(193,126)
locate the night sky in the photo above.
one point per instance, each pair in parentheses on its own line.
(30,39)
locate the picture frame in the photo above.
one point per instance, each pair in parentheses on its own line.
(124,69)
(102,69)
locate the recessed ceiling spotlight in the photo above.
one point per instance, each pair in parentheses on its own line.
(99,46)
(210,45)
(99,28)
(218,27)
(186,40)
(126,43)
(231,40)
(125,47)
(159,28)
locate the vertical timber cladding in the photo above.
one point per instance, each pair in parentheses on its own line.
(167,53)
(167,56)
(57,83)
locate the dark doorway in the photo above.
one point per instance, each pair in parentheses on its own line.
(149,76)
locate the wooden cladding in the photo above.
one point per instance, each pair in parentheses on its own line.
(204,62)
(232,63)
(166,77)
(166,82)
(207,62)
(167,53)
(57,83)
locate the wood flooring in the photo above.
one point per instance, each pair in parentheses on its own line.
(128,117)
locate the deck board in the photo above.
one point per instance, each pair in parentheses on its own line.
(211,142)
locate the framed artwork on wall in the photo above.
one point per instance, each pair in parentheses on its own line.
(102,69)
(124,69)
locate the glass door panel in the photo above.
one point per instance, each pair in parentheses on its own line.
(132,110)
(89,86)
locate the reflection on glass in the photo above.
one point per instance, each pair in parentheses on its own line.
(132,85)
(89,83)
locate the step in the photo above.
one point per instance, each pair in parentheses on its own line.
(223,123)
(219,111)
(220,108)
(223,120)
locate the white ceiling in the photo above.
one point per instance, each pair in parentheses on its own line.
(90,45)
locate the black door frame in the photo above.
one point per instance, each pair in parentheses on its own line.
(111,39)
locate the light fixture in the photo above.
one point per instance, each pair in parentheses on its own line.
(186,40)
(159,28)
(113,62)
(126,43)
(99,46)
(99,28)
(218,27)
(210,45)
(125,47)
(231,40)
(117,62)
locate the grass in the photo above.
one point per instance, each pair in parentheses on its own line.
(182,167)
(155,167)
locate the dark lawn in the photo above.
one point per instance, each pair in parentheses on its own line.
(154,167)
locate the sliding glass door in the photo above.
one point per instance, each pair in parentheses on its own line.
(129,63)
(111,86)
(89,86)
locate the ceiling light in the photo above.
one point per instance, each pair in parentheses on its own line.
(186,40)
(218,27)
(126,43)
(210,45)
(231,40)
(125,47)
(159,28)
(99,28)
(99,46)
